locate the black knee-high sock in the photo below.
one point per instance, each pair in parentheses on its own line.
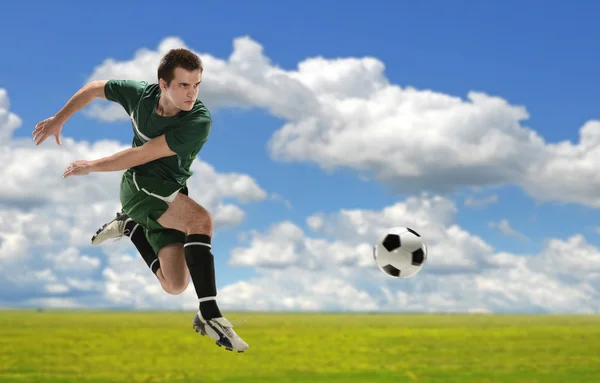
(201,263)
(137,234)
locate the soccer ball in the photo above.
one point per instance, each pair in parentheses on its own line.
(400,252)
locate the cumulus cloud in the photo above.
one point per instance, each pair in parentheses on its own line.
(296,289)
(247,79)
(127,282)
(462,273)
(407,138)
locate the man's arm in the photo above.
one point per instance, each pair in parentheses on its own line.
(128,158)
(182,141)
(125,159)
(52,126)
(84,96)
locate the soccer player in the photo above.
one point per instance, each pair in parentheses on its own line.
(171,231)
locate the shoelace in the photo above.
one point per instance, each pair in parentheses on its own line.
(125,233)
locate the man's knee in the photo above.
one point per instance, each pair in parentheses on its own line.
(173,273)
(198,219)
(176,287)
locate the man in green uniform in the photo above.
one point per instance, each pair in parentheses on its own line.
(170,230)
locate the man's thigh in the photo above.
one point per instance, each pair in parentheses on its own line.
(145,200)
(185,214)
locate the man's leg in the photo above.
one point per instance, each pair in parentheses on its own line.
(173,274)
(169,265)
(187,216)
(137,234)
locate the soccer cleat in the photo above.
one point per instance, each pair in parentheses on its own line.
(113,229)
(220,330)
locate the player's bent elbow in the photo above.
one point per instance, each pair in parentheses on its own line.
(96,88)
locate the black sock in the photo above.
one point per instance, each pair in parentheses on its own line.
(137,234)
(201,263)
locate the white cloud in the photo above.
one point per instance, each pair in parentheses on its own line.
(481,202)
(70,259)
(407,138)
(508,230)
(296,289)
(8,121)
(210,189)
(462,273)
(127,282)
(345,240)
(278,197)
(247,79)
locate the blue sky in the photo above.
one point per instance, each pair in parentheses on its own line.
(539,55)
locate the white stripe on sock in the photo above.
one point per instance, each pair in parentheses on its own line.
(197,243)
(153,262)
(207,299)
(133,230)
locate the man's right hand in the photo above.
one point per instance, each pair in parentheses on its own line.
(46,128)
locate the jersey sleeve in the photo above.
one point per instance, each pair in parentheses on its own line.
(188,138)
(125,92)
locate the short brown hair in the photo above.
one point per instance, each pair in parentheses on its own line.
(180,57)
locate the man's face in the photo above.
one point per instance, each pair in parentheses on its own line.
(183,89)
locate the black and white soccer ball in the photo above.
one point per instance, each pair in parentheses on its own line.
(400,252)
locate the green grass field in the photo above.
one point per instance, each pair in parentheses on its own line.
(131,347)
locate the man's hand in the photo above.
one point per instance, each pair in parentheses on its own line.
(78,168)
(46,128)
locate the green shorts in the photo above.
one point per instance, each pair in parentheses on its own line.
(144,200)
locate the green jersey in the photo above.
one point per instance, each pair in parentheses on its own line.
(185,133)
